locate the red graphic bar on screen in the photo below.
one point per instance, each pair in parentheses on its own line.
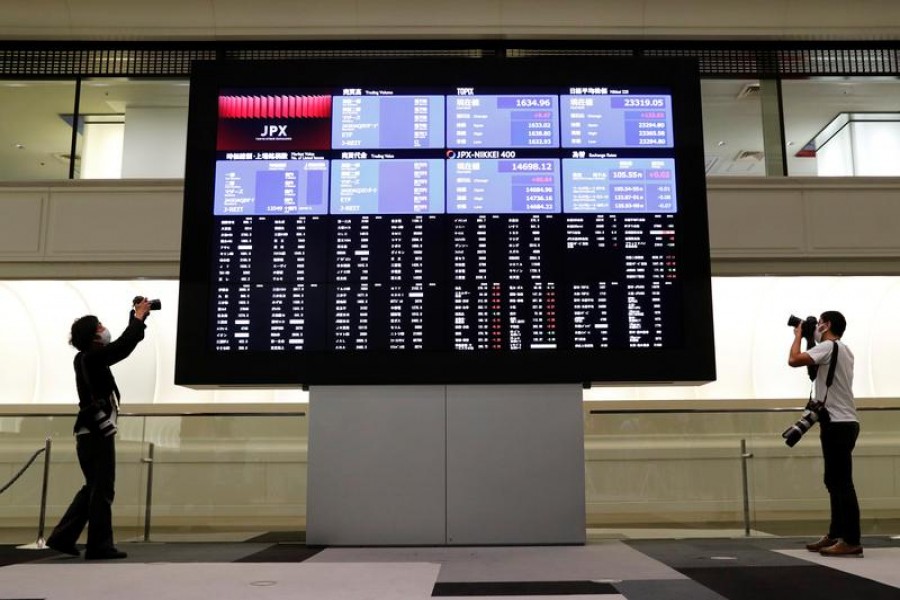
(274,107)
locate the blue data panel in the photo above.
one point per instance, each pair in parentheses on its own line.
(529,186)
(260,187)
(520,121)
(610,185)
(401,186)
(613,121)
(388,122)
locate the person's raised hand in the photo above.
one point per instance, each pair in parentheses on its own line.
(142,309)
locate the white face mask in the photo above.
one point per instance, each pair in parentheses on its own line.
(105,337)
(817,334)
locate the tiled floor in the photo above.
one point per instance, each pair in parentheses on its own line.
(612,565)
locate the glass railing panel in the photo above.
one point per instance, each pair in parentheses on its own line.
(241,476)
(20,437)
(235,475)
(667,470)
(664,470)
(787,488)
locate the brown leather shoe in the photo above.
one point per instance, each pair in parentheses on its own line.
(822,542)
(842,548)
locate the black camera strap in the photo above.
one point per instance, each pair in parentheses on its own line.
(832,365)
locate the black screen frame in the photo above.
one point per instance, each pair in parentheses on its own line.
(199,365)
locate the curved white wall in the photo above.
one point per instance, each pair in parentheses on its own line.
(752,338)
(752,341)
(36,358)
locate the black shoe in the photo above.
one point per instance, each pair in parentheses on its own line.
(108,554)
(71,550)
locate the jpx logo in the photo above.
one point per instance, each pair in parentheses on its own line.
(274,131)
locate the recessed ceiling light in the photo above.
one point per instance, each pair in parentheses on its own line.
(20,146)
(720,143)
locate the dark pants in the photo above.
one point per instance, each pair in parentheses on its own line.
(92,505)
(838,441)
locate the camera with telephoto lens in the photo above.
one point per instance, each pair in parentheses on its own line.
(813,410)
(808,333)
(154,304)
(807,328)
(811,415)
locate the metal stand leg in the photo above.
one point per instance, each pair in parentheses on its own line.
(41,543)
(744,457)
(147,510)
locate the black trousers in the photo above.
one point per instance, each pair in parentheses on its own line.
(838,441)
(92,504)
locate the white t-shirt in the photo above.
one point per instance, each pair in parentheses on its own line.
(840,403)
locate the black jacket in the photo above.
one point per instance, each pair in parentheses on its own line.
(93,378)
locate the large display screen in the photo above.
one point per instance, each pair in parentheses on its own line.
(445,221)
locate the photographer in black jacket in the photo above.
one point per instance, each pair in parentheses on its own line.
(95,430)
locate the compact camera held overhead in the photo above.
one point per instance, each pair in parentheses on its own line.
(154,304)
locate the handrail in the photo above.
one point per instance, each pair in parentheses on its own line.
(615,411)
(593,407)
(211,414)
(135,407)
(149,410)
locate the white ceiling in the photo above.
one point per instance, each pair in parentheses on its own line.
(295,19)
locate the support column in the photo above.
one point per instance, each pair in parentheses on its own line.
(437,465)
(773,127)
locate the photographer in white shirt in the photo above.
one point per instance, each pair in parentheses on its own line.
(839,430)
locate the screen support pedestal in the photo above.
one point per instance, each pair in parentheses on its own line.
(446,465)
